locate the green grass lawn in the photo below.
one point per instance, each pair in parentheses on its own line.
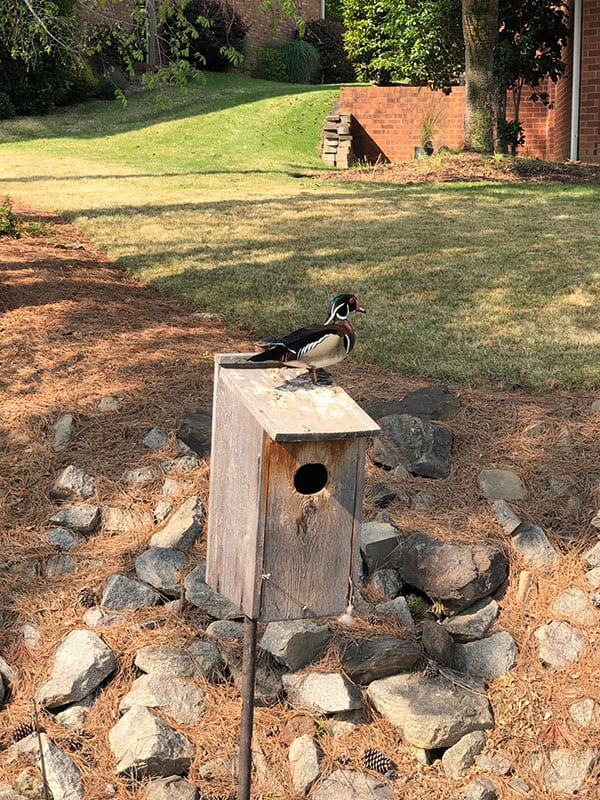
(215,200)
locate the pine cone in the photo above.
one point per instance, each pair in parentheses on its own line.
(21,730)
(87,597)
(373,619)
(377,761)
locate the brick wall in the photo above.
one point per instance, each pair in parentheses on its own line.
(589,103)
(387,120)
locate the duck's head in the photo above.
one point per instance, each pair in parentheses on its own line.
(341,306)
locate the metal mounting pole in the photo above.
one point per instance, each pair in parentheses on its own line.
(247,718)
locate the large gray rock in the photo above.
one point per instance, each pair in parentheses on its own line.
(429,402)
(560,643)
(81,663)
(83,518)
(432,711)
(350,784)
(8,793)
(161,567)
(487,658)
(207,659)
(122,593)
(171,788)
(166,659)
(474,622)
(533,546)
(195,430)
(305,759)
(155,439)
(457,759)
(322,693)
(564,770)
(199,594)
(73,483)
(366,660)
(481,789)
(295,643)
(63,432)
(181,700)
(379,545)
(62,774)
(423,448)
(574,604)
(501,484)
(457,574)
(183,527)
(144,745)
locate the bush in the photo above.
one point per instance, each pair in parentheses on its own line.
(10,224)
(301,59)
(217,41)
(7,109)
(327,37)
(269,65)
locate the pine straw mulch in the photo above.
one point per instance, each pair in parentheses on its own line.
(472,167)
(73,329)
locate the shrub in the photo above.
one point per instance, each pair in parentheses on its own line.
(301,59)
(221,35)
(10,224)
(327,37)
(269,65)
(7,108)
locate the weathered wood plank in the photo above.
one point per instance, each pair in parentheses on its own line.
(294,410)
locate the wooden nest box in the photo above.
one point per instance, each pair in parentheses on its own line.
(286,491)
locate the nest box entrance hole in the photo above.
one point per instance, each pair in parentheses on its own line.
(310,478)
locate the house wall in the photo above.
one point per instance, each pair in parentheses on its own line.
(589,102)
(387,120)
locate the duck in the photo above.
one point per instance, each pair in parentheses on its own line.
(316,346)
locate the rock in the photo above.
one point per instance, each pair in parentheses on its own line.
(183,528)
(166,659)
(144,745)
(487,658)
(162,510)
(141,475)
(225,629)
(457,759)
(268,686)
(195,430)
(429,402)
(73,483)
(474,622)
(83,518)
(181,464)
(161,567)
(398,608)
(199,594)
(381,494)
(305,758)
(481,789)
(171,788)
(125,519)
(350,784)
(31,636)
(60,564)
(592,556)
(98,618)
(501,484)
(75,715)
(63,432)
(62,775)
(496,762)
(155,439)
(458,574)
(379,545)
(533,546)
(61,538)
(322,693)
(573,603)
(563,770)
(386,582)
(207,660)
(592,576)
(179,699)
(295,643)
(506,516)
(560,643)
(432,712)
(122,593)
(81,663)
(437,643)
(367,660)
(8,793)
(585,713)
(419,445)
(107,404)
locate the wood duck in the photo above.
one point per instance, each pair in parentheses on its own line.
(318,345)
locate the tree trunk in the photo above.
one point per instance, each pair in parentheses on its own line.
(480,28)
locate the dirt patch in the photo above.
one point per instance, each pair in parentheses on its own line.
(472,167)
(74,329)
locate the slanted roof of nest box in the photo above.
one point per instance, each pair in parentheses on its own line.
(289,409)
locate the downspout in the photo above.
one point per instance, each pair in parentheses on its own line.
(576,83)
(322,9)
